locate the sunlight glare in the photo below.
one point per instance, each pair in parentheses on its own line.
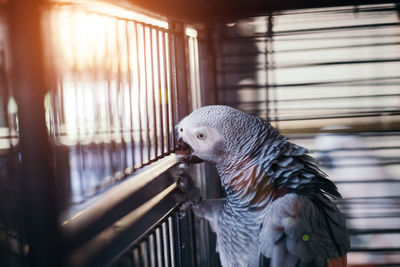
(107,62)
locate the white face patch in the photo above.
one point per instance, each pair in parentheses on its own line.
(201,139)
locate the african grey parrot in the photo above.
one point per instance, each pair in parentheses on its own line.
(278,209)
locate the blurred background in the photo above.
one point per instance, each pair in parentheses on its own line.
(328,78)
(90,92)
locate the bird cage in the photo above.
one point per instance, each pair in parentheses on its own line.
(328,79)
(91,92)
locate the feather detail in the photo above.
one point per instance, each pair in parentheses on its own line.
(297,226)
(277,198)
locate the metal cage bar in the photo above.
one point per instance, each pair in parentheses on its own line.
(161,249)
(111,100)
(332,88)
(36,175)
(130,85)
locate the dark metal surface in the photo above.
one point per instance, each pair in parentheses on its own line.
(242,9)
(200,10)
(35,173)
(11,223)
(166,243)
(117,203)
(262,48)
(99,252)
(328,78)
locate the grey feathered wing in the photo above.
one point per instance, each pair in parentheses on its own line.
(304,231)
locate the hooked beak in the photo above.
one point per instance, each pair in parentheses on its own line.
(182,145)
(189,157)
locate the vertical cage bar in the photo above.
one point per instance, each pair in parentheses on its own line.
(39,213)
(10,203)
(146,93)
(77,157)
(140,256)
(95,147)
(102,130)
(153,249)
(130,88)
(184,239)
(120,101)
(192,71)
(180,70)
(153,91)
(167,91)
(156,249)
(220,40)
(197,60)
(148,252)
(166,240)
(141,145)
(271,69)
(173,85)
(177,240)
(112,100)
(267,87)
(171,241)
(132,259)
(160,245)
(160,94)
(144,253)
(108,99)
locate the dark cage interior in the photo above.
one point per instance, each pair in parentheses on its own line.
(91,91)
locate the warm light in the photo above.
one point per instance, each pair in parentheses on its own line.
(109,10)
(191,32)
(107,61)
(194,67)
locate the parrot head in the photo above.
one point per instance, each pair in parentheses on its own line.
(215,133)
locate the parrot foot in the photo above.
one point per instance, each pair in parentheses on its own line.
(187,186)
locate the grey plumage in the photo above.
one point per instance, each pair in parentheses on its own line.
(277,199)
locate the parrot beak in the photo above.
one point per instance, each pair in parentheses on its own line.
(182,145)
(188,157)
(193,159)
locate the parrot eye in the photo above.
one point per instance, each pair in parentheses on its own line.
(201,136)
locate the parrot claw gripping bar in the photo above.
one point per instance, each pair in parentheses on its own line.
(187,185)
